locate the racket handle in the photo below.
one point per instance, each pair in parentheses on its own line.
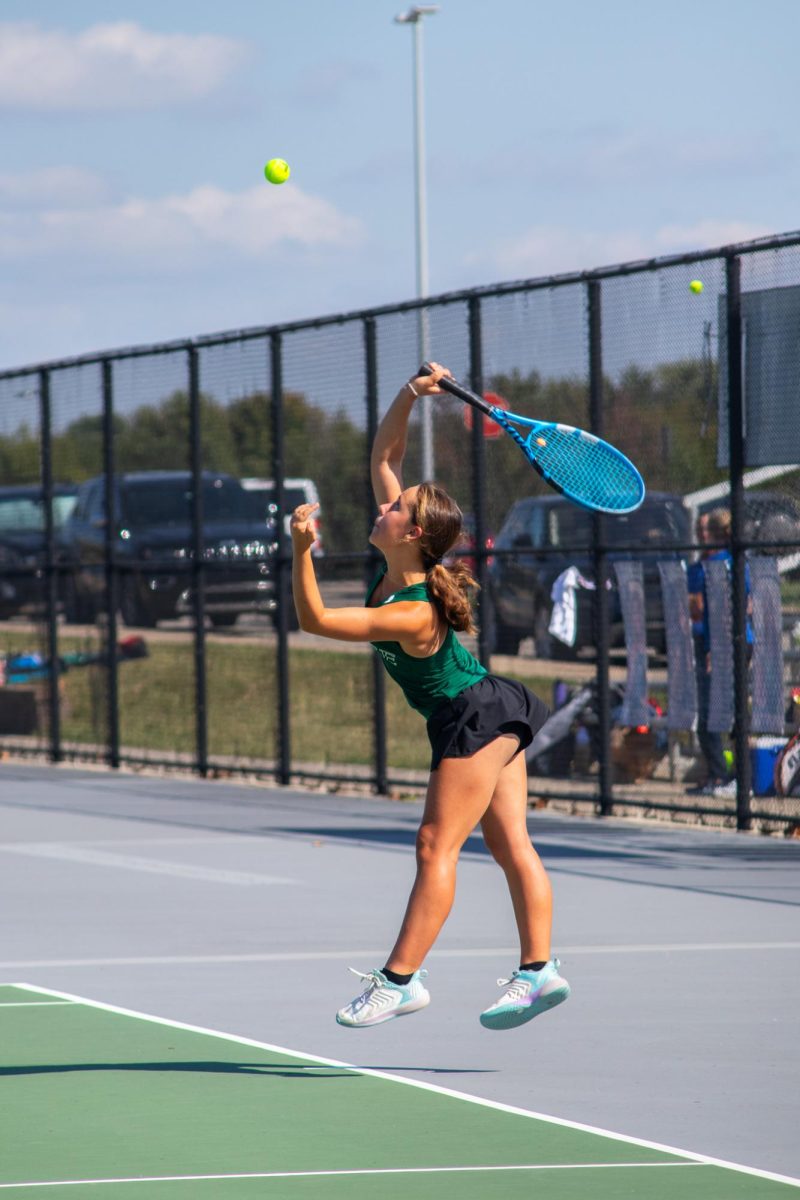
(457,389)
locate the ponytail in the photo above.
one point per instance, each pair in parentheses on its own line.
(450,589)
(440,519)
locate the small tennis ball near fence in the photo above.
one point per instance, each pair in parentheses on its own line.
(696,286)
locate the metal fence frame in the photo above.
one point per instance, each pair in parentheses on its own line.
(284,772)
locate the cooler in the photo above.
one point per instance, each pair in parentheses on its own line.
(763,755)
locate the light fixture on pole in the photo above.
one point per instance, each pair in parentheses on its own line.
(414,18)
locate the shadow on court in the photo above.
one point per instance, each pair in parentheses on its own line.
(680,867)
(204,1068)
(389,836)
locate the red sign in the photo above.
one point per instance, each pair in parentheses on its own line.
(490,428)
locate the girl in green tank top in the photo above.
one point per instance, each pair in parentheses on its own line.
(440,676)
(476,722)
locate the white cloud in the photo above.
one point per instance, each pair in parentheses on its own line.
(110,67)
(551,250)
(187,230)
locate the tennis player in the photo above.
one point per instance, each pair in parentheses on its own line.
(478,725)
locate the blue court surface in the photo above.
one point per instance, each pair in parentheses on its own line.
(176,950)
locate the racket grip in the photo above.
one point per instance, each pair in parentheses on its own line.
(457,389)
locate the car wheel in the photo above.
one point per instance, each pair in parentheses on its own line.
(292,623)
(134,612)
(77,609)
(223,620)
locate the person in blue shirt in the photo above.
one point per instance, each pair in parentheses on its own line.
(712,528)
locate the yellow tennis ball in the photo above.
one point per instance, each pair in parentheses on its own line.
(696,286)
(277,170)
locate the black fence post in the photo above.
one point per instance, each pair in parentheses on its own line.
(283,562)
(51,565)
(373,560)
(112,582)
(198,565)
(736,436)
(478,446)
(601,607)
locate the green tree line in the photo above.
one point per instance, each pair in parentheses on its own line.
(664,418)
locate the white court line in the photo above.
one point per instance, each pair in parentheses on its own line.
(688,1155)
(131,862)
(35,1003)
(355,1171)
(157,960)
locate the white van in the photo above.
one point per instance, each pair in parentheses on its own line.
(295,491)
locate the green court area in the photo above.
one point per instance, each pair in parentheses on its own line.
(101,1102)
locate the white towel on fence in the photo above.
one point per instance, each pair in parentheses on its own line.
(564,617)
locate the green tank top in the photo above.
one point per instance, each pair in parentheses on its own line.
(426,681)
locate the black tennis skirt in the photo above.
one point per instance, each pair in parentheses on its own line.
(493,705)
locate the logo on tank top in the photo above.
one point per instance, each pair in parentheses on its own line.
(388,655)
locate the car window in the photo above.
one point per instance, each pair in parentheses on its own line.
(26,513)
(292,495)
(62,509)
(570,527)
(537,527)
(19,513)
(95,501)
(515,528)
(169,502)
(79,511)
(657,523)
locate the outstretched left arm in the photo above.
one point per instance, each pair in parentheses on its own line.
(404,621)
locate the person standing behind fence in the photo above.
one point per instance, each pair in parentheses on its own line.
(477,725)
(713,527)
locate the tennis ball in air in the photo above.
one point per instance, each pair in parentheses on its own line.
(696,286)
(277,170)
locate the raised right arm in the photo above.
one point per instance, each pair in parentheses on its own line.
(389,447)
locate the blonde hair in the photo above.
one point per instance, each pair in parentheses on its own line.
(440,520)
(719,524)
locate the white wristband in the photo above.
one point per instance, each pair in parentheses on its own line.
(411,388)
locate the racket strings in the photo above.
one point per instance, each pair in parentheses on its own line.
(587,469)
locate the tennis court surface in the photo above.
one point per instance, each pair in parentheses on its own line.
(174,952)
(106,1100)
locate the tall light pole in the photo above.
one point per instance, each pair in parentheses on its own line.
(414,18)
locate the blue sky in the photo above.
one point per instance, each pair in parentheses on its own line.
(132,201)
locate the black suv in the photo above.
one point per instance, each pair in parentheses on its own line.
(22,543)
(549,534)
(154,542)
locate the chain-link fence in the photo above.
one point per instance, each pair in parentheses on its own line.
(145,565)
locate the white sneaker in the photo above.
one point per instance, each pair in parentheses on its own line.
(529,993)
(381,1000)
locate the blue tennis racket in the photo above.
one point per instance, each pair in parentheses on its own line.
(582,467)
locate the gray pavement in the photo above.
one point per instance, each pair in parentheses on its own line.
(239,907)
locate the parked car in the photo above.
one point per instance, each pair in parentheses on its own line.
(22,542)
(549,534)
(154,541)
(295,491)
